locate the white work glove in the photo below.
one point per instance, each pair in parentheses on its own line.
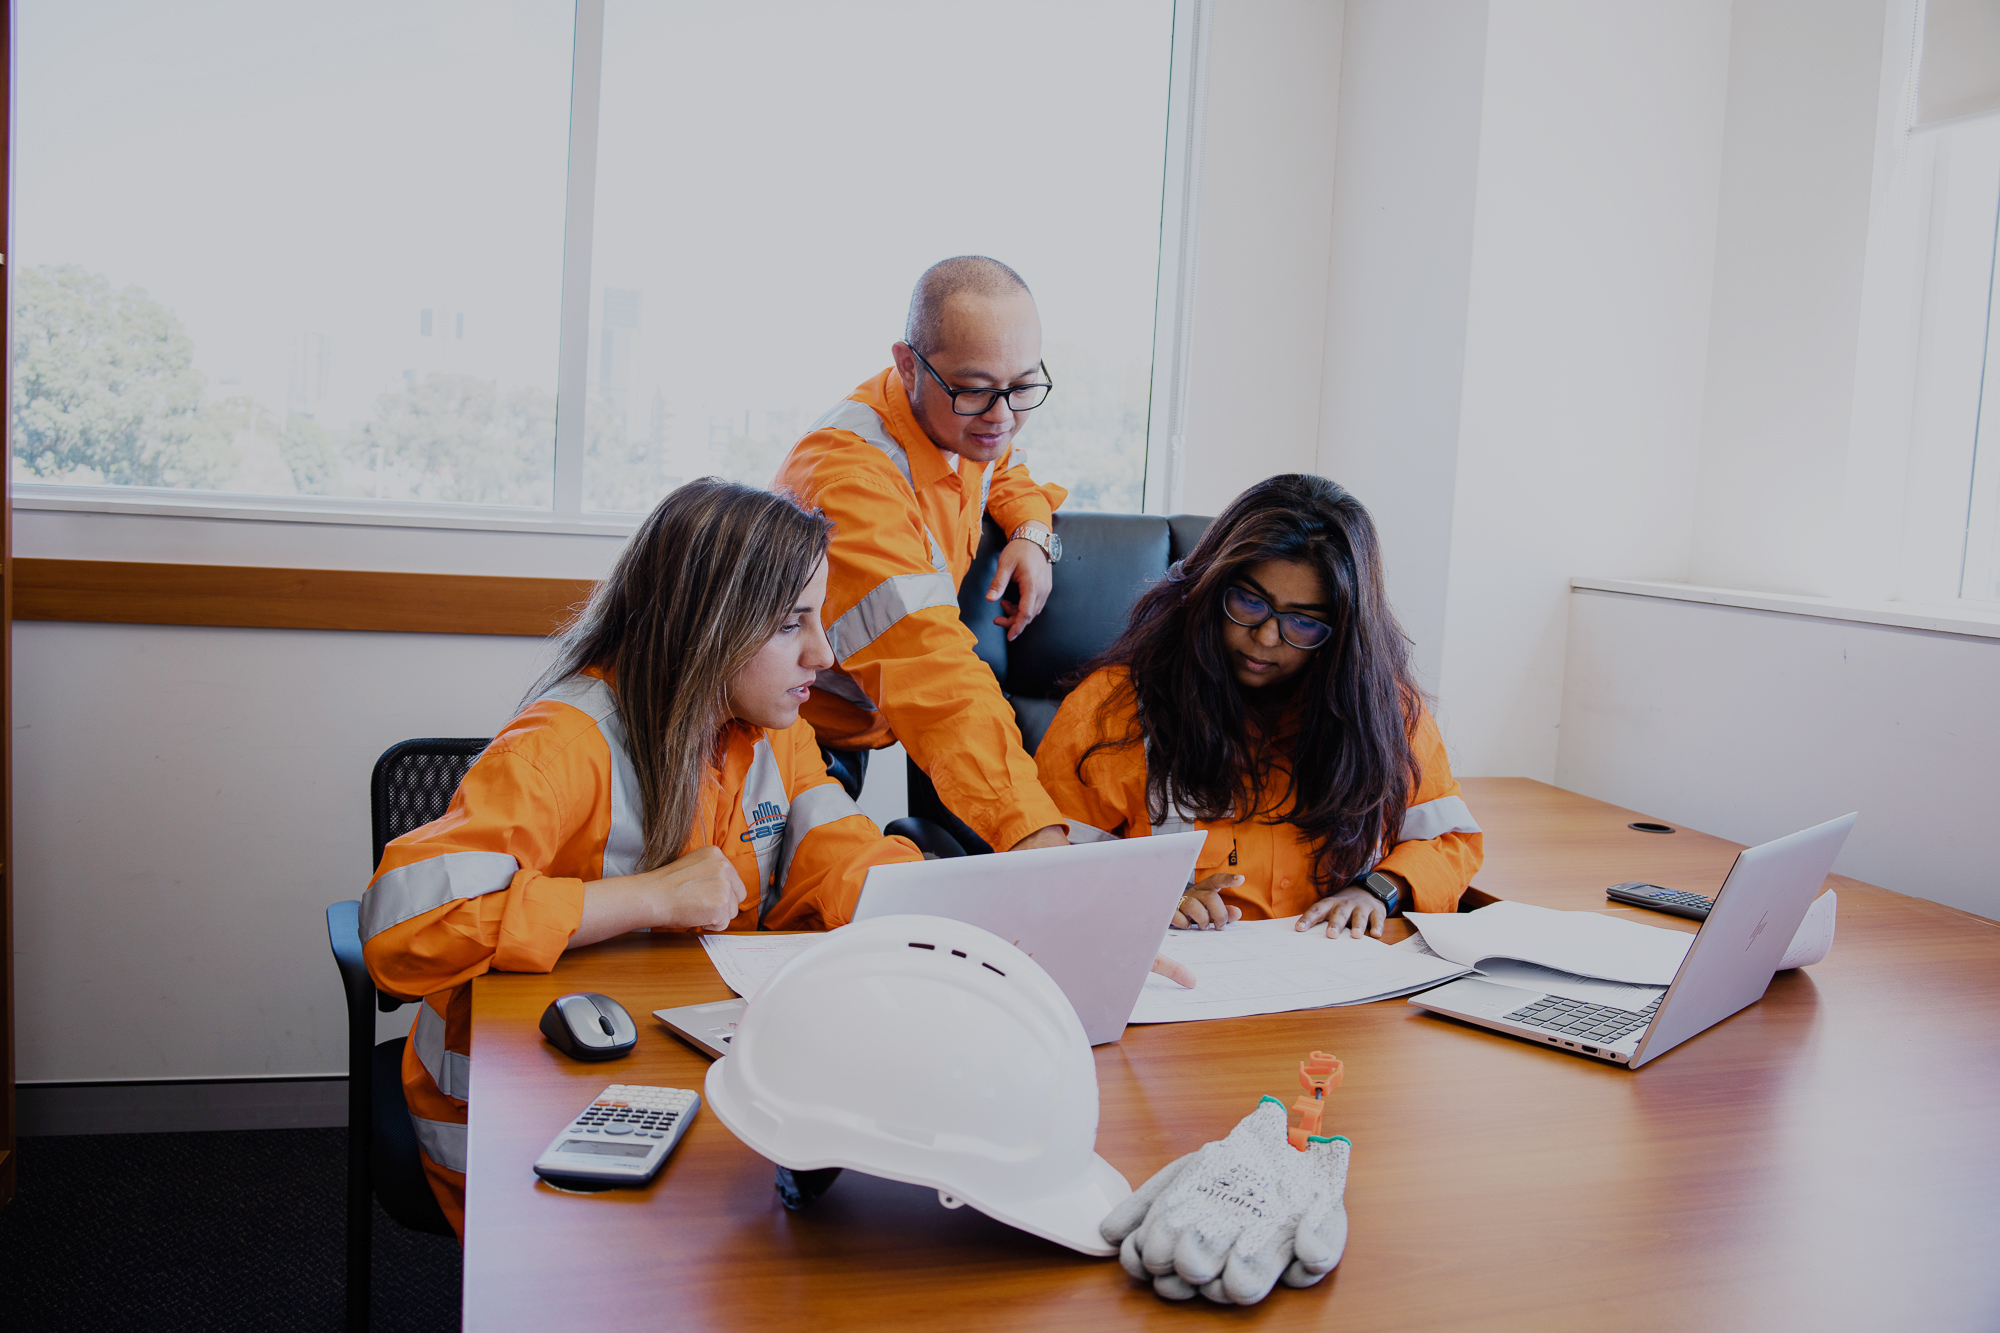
(1231,1217)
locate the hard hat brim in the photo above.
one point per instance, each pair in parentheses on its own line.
(1069,1218)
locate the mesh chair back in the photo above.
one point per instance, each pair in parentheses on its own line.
(1108,561)
(414,782)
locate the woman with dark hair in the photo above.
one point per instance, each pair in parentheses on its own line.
(657,777)
(1263,692)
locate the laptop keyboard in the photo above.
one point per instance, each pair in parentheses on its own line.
(1595,1023)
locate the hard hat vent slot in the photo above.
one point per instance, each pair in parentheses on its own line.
(958,953)
(915,945)
(990,968)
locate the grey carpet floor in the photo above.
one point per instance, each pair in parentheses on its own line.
(204,1231)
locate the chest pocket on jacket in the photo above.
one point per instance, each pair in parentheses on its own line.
(766,808)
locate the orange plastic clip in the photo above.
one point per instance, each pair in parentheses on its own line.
(1318,1075)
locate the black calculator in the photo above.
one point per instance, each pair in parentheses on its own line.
(1678,901)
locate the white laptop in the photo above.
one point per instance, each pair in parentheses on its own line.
(1727,968)
(1092,916)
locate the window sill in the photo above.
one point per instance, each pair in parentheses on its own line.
(1966,618)
(161,503)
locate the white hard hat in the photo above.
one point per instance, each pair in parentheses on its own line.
(932,1052)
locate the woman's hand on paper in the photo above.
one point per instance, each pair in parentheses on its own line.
(1173,971)
(1353,910)
(1202,908)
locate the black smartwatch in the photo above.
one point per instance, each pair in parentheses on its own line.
(1382,887)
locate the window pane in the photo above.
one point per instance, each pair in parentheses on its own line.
(772,178)
(291,249)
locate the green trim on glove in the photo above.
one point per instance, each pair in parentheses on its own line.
(1310,1138)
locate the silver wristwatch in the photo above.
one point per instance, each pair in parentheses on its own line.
(1043,537)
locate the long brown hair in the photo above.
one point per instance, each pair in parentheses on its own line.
(1355,702)
(705,582)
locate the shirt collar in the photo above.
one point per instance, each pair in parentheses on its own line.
(928,463)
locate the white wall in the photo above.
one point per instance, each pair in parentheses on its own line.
(1799,179)
(1586,336)
(1411,84)
(1261,264)
(1524,228)
(1752,725)
(186,803)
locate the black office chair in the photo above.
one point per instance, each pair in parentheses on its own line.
(412,784)
(1108,560)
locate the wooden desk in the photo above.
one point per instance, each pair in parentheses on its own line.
(1827,1159)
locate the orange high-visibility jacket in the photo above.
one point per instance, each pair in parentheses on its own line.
(1438,853)
(907,527)
(497,881)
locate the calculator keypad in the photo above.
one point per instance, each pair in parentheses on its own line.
(634,1109)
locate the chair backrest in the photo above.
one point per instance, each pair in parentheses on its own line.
(413,783)
(1108,560)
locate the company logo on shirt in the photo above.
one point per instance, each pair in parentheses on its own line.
(766,821)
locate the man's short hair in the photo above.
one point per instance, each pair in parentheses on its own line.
(945,279)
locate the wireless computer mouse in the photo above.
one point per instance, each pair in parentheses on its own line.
(589,1026)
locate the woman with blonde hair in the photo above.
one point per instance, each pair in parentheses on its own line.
(1263,693)
(658,777)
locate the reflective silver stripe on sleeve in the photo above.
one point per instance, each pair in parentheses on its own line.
(1434,819)
(442,1142)
(766,812)
(843,686)
(626,842)
(890,600)
(1081,833)
(863,420)
(419,887)
(451,1071)
(938,561)
(813,808)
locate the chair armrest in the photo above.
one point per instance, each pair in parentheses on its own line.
(929,838)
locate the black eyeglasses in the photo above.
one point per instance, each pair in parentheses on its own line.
(1020,398)
(1251,611)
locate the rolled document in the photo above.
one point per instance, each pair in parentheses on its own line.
(1815,933)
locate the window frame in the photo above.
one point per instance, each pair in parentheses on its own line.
(1172,340)
(1950,342)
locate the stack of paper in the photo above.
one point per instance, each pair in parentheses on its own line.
(1269,967)
(1814,936)
(1533,976)
(747,961)
(1501,939)
(1585,944)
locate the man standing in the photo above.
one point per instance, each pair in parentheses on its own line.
(905,466)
